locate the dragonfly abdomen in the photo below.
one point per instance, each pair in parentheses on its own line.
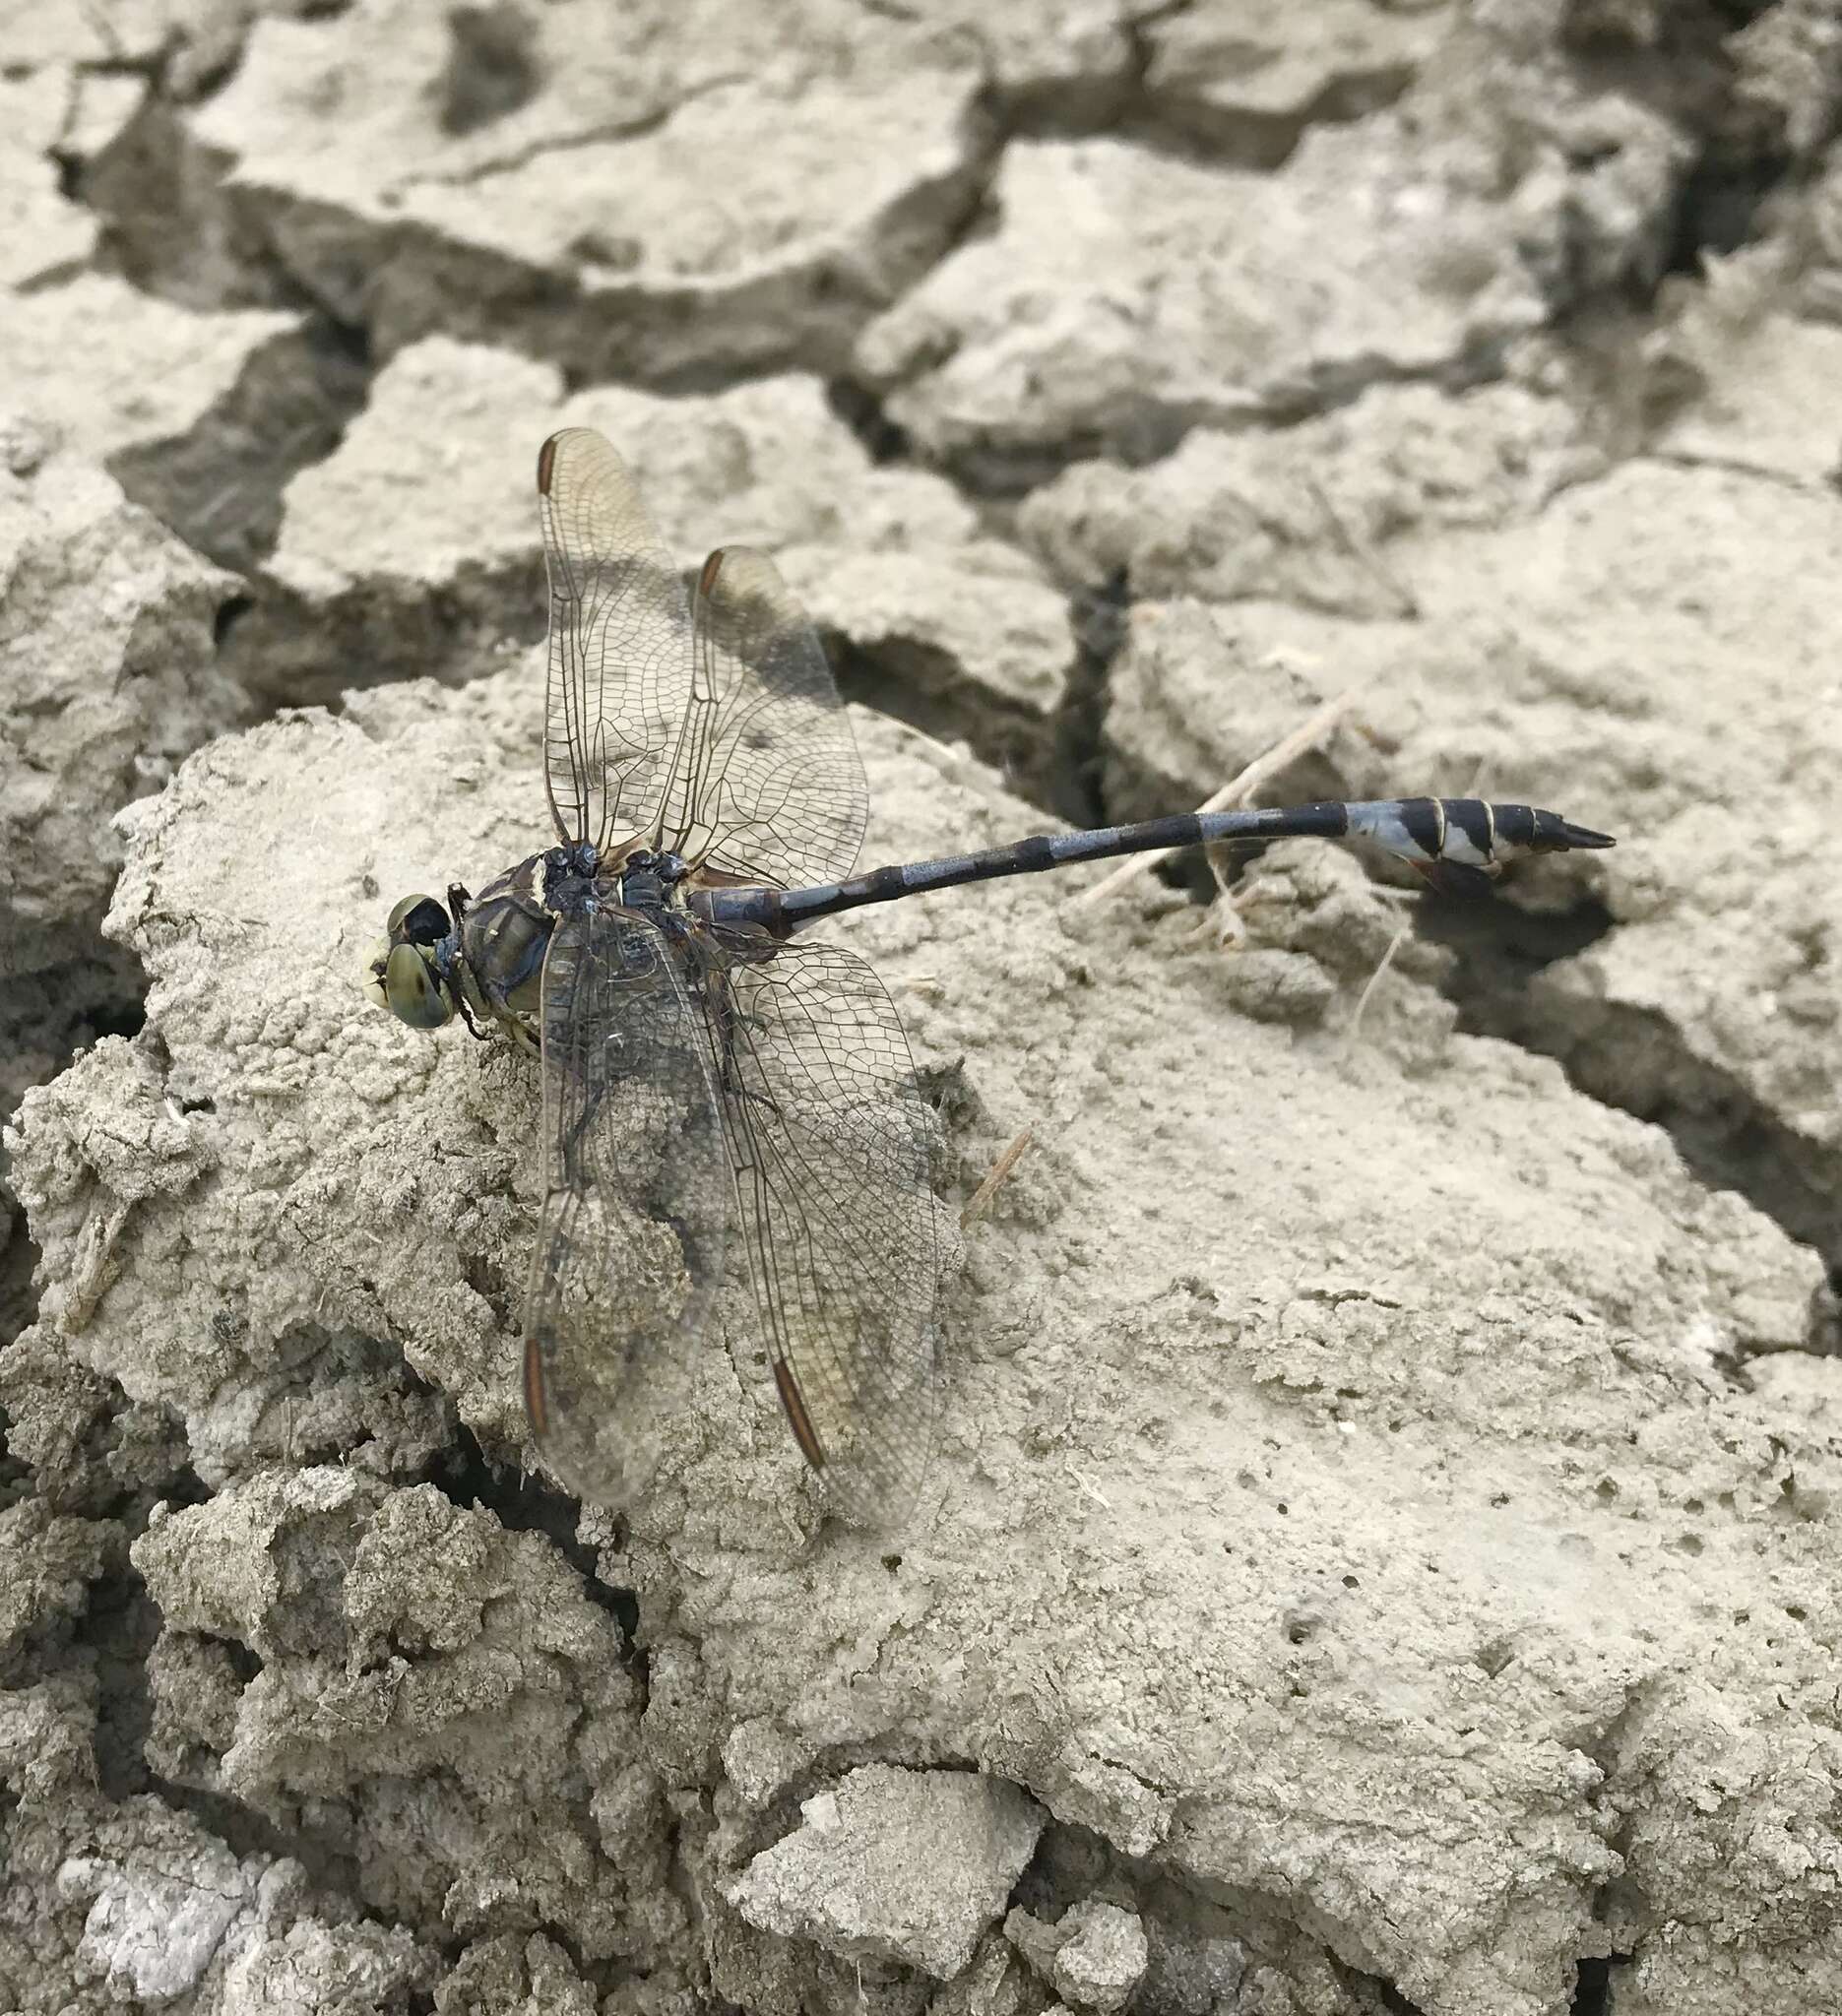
(1457,843)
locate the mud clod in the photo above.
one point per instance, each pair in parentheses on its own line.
(1382,1536)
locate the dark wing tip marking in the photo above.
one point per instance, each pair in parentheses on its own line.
(534,1404)
(798,1418)
(547,463)
(712,567)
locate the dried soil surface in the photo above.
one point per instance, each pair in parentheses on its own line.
(1382,1549)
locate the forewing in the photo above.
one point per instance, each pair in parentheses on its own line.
(638,1200)
(619,648)
(831,1139)
(766,782)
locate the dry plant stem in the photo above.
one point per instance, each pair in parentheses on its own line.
(1407,603)
(1306,735)
(996,1176)
(1370,984)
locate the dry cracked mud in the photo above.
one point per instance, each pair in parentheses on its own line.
(1382,1547)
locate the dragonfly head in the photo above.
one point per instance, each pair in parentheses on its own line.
(410,972)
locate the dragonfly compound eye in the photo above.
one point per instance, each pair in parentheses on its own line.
(411,992)
(417,921)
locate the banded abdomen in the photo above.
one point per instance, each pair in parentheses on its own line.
(1460,845)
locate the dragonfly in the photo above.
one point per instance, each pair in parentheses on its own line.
(714,1078)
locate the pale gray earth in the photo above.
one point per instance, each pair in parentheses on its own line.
(1382,1548)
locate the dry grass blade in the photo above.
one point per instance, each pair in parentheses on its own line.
(1306,735)
(1369,986)
(1364,552)
(996,1176)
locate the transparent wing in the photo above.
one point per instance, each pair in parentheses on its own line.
(766,782)
(831,1139)
(638,1200)
(620,648)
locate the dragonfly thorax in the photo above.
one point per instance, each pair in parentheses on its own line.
(559,880)
(485,959)
(650,883)
(667,866)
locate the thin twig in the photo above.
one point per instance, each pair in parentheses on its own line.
(996,1176)
(1365,554)
(1370,984)
(1306,736)
(1091,1489)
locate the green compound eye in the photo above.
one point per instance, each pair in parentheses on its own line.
(417,921)
(411,991)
